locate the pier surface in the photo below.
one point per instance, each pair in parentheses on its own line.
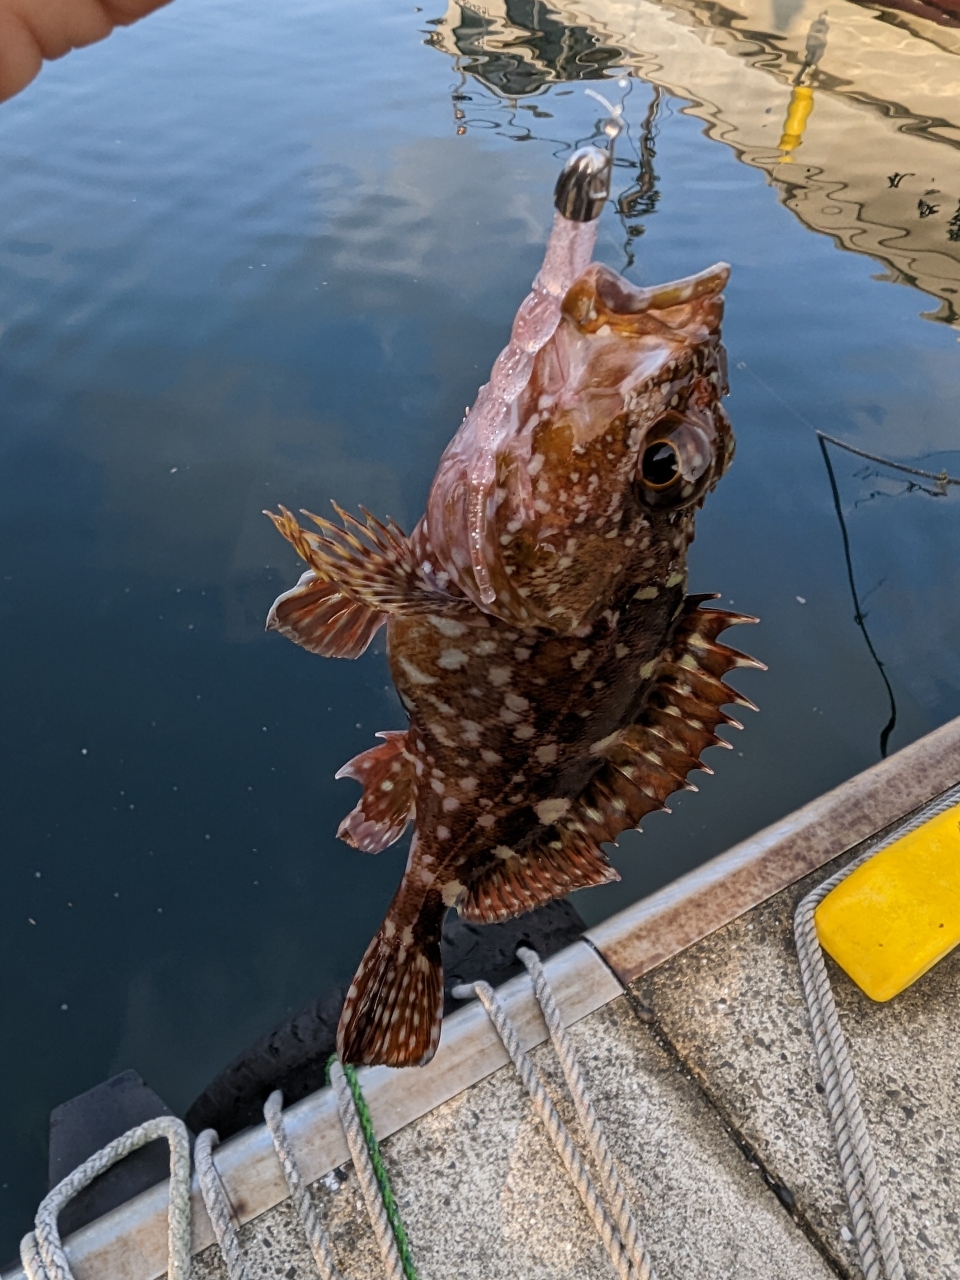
(689,1020)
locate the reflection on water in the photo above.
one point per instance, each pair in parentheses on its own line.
(267,265)
(526,46)
(886,105)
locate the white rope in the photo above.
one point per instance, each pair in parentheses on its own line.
(302,1200)
(42,1253)
(218,1206)
(872,1227)
(557,1130)
(369,1186)
(610,1179)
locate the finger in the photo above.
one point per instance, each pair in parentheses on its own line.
(34,30)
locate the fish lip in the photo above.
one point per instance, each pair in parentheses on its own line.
(626,299)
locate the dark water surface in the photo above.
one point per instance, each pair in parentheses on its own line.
(245,258)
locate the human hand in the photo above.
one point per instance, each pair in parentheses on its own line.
(34,30)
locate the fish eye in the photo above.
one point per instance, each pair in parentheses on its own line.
(660,465)
(676,465)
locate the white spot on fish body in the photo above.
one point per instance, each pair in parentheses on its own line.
(508,716)
(499,676)
(389,928)
(450,804)
(546,754)
(622,650)
(675,579)
(406,937)
(535,463)
(550,810)
(443,833)
(452,659)
(579,659)
(490,757)
(599,747)
(503,852)
(451,892)
(468,784)
(447,626)
(484,648)
(648,668)
(646,593)
(486,820)
(415,675)
(524,732)
(521,654)
(515,702)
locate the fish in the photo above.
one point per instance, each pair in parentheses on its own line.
(558,680)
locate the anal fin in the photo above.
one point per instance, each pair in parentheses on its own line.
(389,794)
(519,882)
(317,616)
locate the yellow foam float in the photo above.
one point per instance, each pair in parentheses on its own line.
(899,913)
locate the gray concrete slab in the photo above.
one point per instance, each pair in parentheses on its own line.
(483,1193)
(732,1007)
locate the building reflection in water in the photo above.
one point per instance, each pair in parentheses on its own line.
(879,165)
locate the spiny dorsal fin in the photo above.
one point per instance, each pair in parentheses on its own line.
(371,563)
(644,763)
(389,793)
(647,761)
(317,616)
(518,882)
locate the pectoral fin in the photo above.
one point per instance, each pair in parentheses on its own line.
(317,616)
(372,564)
(389,794)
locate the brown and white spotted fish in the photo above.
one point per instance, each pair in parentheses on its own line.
(559,682)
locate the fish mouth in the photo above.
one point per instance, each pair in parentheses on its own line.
(602,297)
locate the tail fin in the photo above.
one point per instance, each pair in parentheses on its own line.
(393,1009)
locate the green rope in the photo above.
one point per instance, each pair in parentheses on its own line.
(379,1169)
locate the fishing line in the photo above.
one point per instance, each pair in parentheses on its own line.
(858,615)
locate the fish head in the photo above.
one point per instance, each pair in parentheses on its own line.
(614,441)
